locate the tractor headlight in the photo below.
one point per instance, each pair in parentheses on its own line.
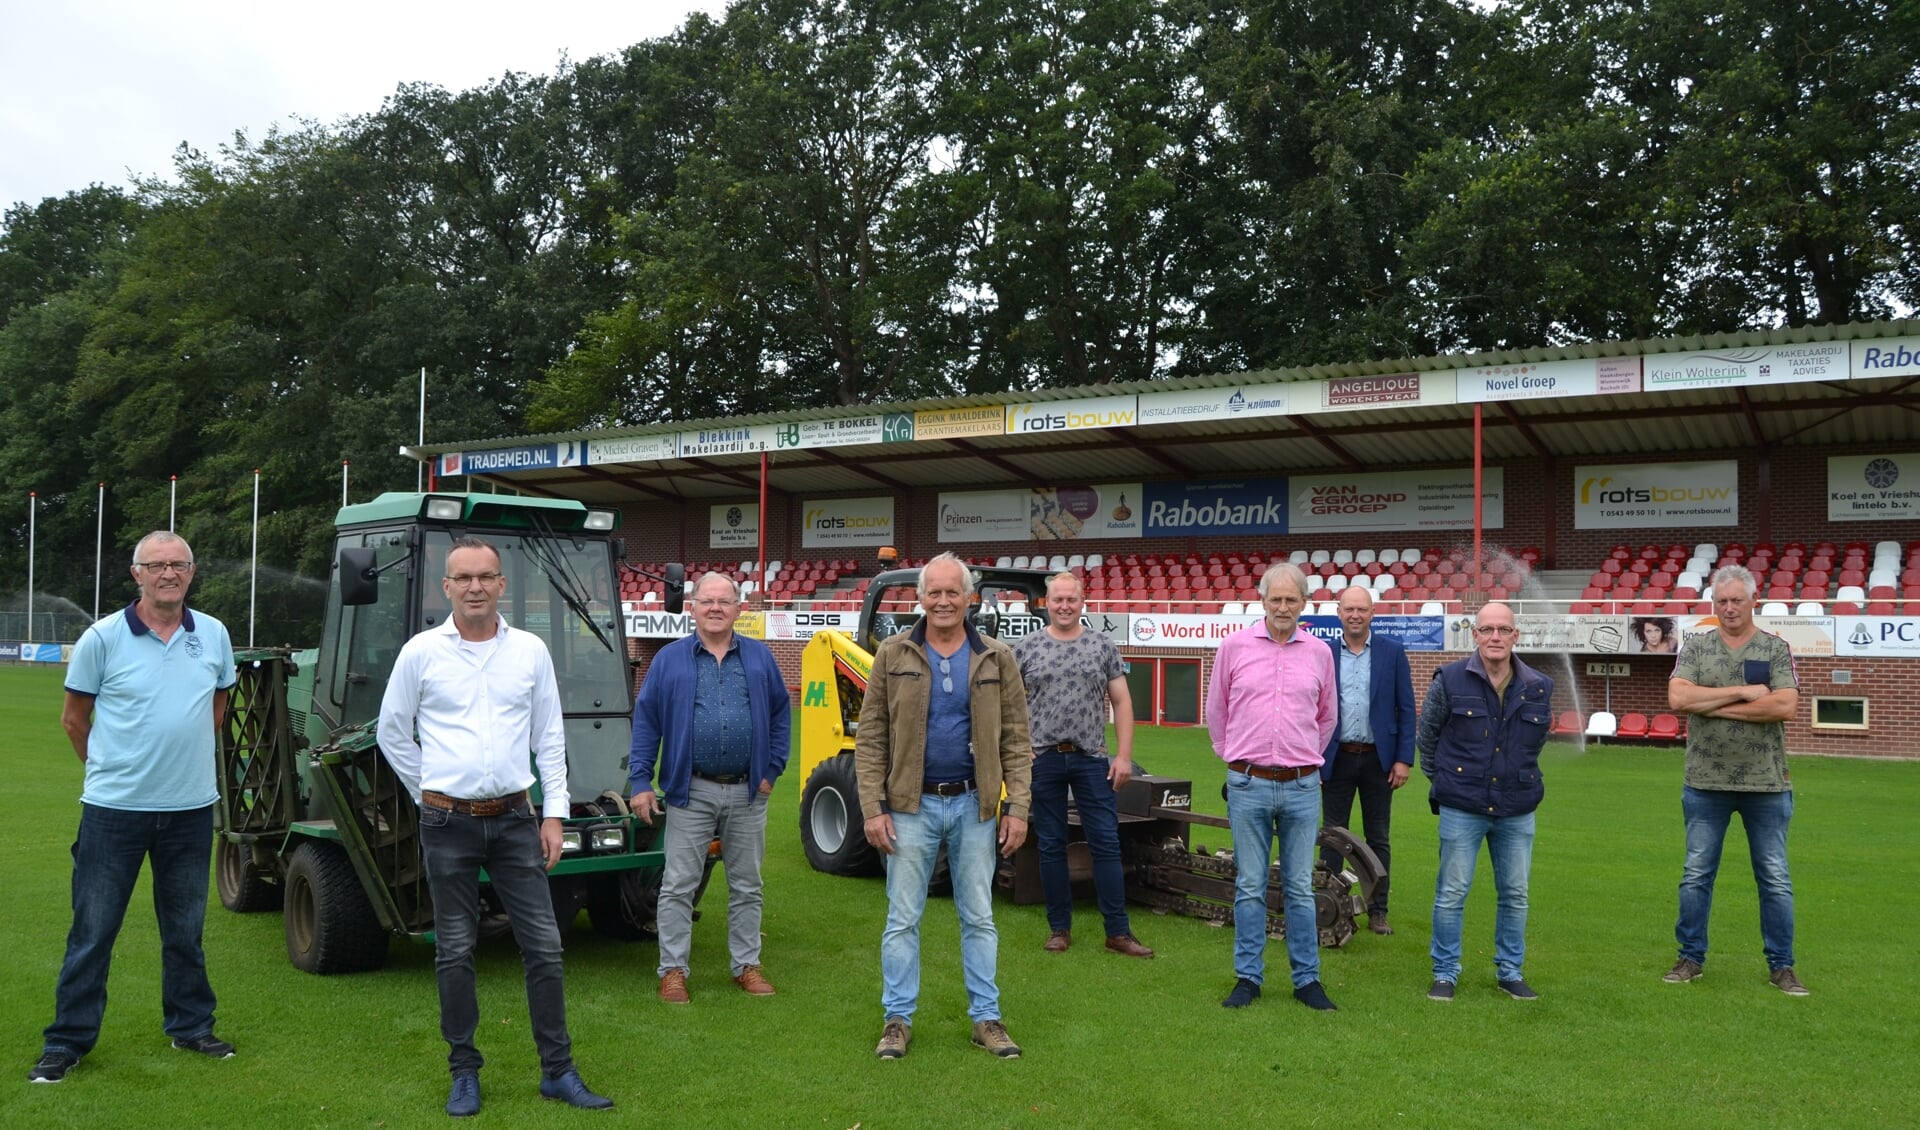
(569,840)
(445,509)
(598,520)
(609,837)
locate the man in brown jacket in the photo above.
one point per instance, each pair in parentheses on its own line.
(942,730)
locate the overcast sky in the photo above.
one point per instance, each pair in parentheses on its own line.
(103,90)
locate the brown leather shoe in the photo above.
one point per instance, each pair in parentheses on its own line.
(1128,945)
(751,980)
(1378,923)
(673,987)
(1059,940)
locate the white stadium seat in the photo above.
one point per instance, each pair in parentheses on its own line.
(1602,724)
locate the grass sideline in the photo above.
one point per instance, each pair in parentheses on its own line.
(1109,1042)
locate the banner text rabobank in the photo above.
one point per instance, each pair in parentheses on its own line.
(1182,510)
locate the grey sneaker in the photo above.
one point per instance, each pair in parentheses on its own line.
(1784,980)
(894,1039)
(992,1035)
(1684,970)
(1440,991)
(209,1045)
(52,1068)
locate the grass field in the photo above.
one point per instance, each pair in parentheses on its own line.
(1109,1042)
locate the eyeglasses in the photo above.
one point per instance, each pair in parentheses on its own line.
(946,675)
(467,580)
(1495,630)
(162,568)
(714,602)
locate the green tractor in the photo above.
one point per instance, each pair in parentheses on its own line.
(313,820)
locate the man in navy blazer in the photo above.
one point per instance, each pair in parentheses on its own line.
(1372,748)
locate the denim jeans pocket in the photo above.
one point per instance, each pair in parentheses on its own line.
(431,817)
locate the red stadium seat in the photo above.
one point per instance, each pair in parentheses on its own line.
(1632,726)
(1665,728)
(1568,723)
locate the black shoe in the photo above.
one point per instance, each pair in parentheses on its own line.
(464,1100)
(1244,993)
(569,1088)
(53,1067)
(1519,990)
(209,1045)
(1440,991)
(1314,996)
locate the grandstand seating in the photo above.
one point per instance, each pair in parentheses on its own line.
(1567,723)
(1602,724)
(1632,725)
(1667,728)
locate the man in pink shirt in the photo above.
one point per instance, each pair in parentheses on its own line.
(1271,709)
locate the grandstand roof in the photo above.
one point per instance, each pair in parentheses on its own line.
(1872,411)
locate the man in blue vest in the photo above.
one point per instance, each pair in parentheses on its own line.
(1372,748)
(146,696)
(714,711)
(1481,730)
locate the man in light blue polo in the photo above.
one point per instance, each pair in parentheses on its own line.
(146,695)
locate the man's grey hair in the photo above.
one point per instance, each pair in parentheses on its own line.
(161,535)
(1739,573)
(947,558)
(712,576)
(1287,570)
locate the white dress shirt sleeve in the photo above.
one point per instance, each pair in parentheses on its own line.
(399,707)
(549,737)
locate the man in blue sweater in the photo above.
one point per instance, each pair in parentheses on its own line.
(714,713)
(1481,730)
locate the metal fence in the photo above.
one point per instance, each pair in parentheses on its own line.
(55,626)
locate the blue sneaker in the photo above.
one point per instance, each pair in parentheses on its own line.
(464,1100)
(569,1088)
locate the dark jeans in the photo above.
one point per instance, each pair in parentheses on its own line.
(1361,773)
(1053,774)
(455,848)
(107,854)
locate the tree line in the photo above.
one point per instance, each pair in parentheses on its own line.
(808,203)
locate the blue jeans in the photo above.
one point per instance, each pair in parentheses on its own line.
(455,848)
(1765,817)
(1509,841)
(953,821)
(107,854)
(1053,774)
(1258,809)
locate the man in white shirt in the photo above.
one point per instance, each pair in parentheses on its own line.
(481,695)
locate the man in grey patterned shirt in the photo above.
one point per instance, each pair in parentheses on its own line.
(1071,675)
(1738,684)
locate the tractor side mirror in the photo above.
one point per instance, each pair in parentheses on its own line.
(359,580)
(675,583)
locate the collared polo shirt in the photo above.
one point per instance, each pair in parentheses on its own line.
(152,745)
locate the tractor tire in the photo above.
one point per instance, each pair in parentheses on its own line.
(331,928)
(832,829)
(622,904)
(242,889)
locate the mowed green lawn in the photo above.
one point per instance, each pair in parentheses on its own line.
(1109,1041)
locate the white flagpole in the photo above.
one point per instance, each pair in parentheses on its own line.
(253,580)
(343,483)
(99,540)
(33,504)
(420,469)
(173,493)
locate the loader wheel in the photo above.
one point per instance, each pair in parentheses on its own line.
(242,890)
(331,927)
(831,826)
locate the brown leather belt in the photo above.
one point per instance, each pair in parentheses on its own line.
(493,806)
(1358,747)
(1063,747)
(947,788)
(1272,772)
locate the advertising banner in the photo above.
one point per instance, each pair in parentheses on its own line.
(1213,404)
(1886,357)
(984,515)
(1718,368)
(838,432)
(1877,637)
(847,521)
(1394,500)
(1537,380)
(1663,495)
(633,449)
(729,441)
(1182,510)
(733,525)
(1069,513)
(1873,488)
(1072,415)
(500,460)
(1602,635)
(1397,390)
(785,625)
(958,423)
(1415,633)
(1182,630)
(649,622)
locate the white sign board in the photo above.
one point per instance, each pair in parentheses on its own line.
(1537,380)
(1245,401)
(1656,495)
(1394,500)
(1072,415)
(1890,637)
(984,515)
(1886,357)
(1105,510)
(847,521)
(733,525)
(1873,488)
(1772,365)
